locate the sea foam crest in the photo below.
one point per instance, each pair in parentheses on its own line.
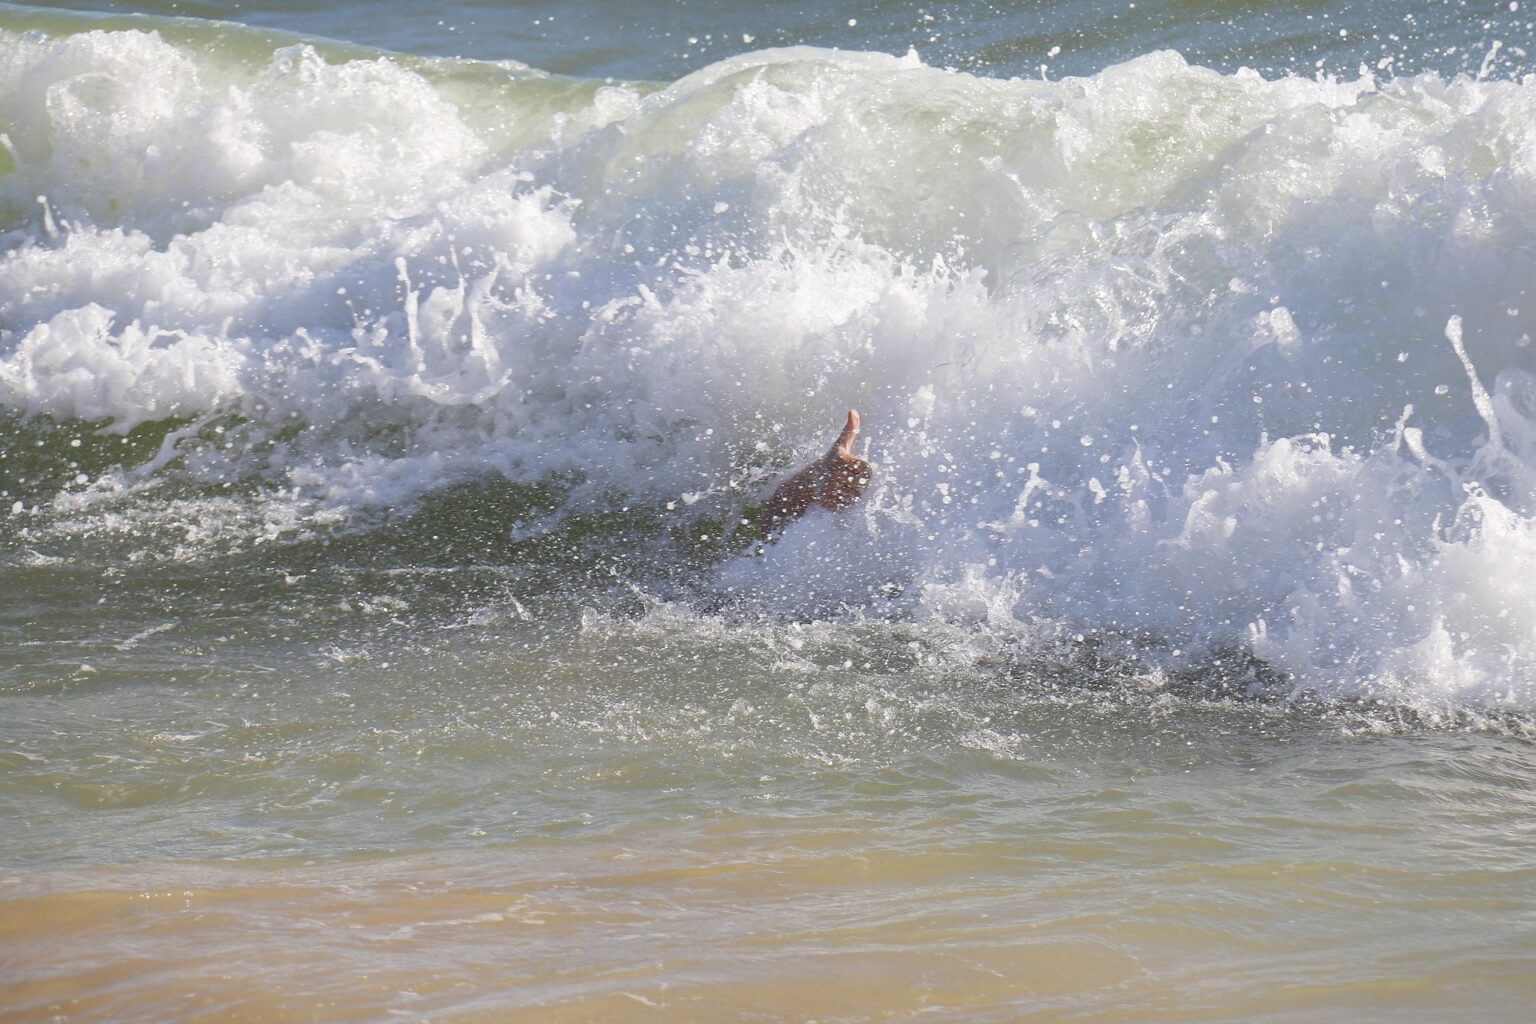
(1199,362)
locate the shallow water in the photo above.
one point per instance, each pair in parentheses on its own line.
(388,396)
(560,835)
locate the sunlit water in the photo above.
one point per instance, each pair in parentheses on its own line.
(388,394)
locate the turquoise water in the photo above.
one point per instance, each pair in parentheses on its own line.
(389,393)
(663,42)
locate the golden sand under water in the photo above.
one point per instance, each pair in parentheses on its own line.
(745,920)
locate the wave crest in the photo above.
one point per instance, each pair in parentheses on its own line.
(1155,352)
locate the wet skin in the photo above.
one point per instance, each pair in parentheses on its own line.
(835,481)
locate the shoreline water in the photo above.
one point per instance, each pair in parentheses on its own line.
(1031,895)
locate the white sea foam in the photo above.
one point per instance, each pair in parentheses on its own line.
(1210,361)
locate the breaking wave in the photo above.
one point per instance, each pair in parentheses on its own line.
(1191,362)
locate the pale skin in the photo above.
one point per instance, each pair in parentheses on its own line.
(835,481)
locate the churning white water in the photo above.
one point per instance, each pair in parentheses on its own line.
(1195,364)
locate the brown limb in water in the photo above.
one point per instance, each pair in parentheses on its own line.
(835,481)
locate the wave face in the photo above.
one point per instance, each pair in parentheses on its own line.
(1200,365)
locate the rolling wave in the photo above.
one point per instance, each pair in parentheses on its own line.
(1193,362)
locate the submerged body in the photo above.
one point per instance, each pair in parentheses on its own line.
(835,481)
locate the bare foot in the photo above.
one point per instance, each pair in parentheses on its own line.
(835,481)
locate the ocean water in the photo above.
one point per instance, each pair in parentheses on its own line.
(389,393)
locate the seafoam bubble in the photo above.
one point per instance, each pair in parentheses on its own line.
(77,366)
(1133,350)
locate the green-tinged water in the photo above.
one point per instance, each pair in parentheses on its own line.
(543,814)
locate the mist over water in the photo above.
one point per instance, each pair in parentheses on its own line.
(389,397)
